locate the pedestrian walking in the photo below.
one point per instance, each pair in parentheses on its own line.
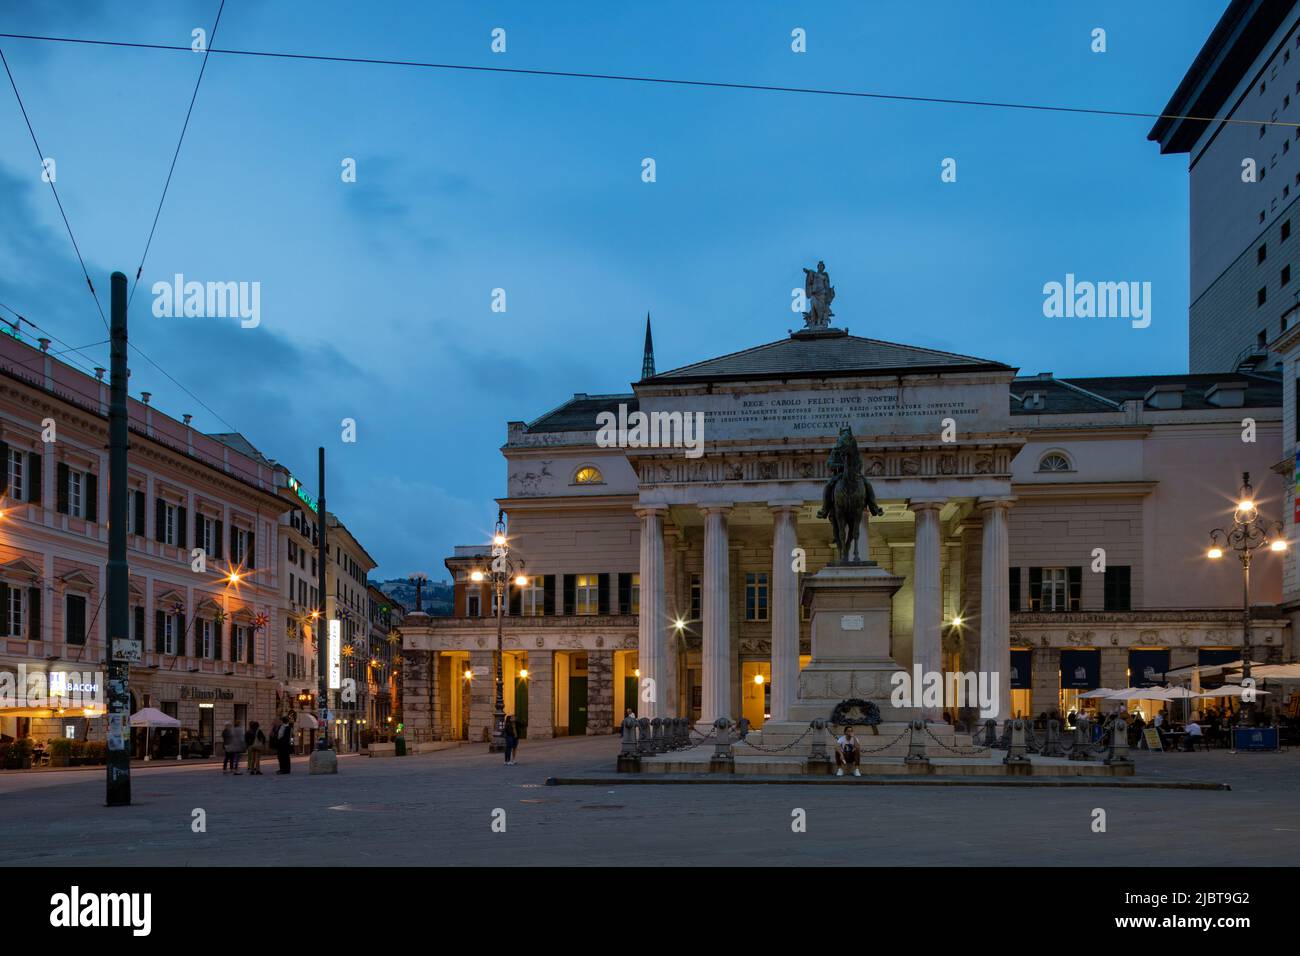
(255,740)
(229,755)
(283,743)
(237,746)
(511,738)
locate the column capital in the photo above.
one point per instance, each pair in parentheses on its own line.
(719,508)
(789,506)
(996,501)
(648,511)
(918,505)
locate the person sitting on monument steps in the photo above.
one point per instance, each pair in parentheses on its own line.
(847,752)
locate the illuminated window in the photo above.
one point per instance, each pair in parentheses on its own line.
(635,597)
(756,596)
(16,461)
(533,597)
(1054,462)
(586,594)
(587,475)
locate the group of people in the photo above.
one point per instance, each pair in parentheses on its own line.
(252,743)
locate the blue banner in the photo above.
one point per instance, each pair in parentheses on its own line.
(1147,668)
(1213,656)
(1254,738)
(1022,670)
(1080,670)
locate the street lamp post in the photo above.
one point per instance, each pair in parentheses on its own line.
(502,573)
(1249,533)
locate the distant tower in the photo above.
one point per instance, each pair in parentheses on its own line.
(648,359)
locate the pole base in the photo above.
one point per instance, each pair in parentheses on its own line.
(322,761)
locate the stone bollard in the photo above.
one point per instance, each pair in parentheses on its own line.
(643,745)
(1082,738)
(1005,742)
(990,733)
(1052,746)
(817,761)
(723,759)
(916,757)
(742,728)
(1118,753)
(629,760)
(657,743)
(1017,760)
(683,728)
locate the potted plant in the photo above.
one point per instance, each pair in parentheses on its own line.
(60,749)
(21,753)
(77,752)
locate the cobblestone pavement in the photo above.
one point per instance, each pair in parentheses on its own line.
(438,809)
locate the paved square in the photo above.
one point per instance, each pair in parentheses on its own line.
(438,809)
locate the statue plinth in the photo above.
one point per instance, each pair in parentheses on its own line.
(851,608)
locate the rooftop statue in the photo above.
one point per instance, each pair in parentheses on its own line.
(820,294)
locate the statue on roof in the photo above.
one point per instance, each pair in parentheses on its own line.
(820,294)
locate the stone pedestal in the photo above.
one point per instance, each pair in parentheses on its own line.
(850,609)
(323,761)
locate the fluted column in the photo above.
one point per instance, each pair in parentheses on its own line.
(716,611)
(995,600)
(785,608)
(927,596)
(652,644)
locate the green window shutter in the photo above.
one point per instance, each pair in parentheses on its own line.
(1035,589)
(61,478)
(548,595)
(1075,577)
(624,593)
(34,481)
(570,593)
(160,631)
(92,497)
(602,594)
(216,640)
(4,608)
(181,518)
(34,614)
(159,519)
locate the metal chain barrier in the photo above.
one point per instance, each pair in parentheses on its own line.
(871,750)
(776,750)
(959,753)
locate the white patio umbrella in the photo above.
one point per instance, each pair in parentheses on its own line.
(1178,693)
(1099,692)
(153,717)
(1230,690)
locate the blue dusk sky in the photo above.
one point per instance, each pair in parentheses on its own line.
(376,295)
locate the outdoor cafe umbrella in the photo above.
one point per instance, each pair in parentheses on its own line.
(153,717)
(1177,693)
(1099,692)
(1231,691)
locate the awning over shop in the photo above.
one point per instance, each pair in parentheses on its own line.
(1147,667)
(306,721)
(1080,670)
(1022,670)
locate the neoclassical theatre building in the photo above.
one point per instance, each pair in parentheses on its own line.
(1052,530)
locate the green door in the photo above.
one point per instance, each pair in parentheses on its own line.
(630,698)
(577,706)
(521,707)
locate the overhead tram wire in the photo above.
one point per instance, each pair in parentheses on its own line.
(668,81)
(40,155)
(176,155)
(22,319)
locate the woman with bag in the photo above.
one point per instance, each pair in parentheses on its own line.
(256,742)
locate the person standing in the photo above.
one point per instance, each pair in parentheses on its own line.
(511,738)
(255,740)
(283,743)
(228,754)
(237,746)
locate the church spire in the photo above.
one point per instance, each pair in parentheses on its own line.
(648,358)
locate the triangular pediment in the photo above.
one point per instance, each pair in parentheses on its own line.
(79,579)
(822,353)
(20,569)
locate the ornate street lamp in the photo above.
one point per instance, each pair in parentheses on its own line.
(503,572)
(1249,533)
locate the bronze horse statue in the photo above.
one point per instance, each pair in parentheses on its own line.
(846,496)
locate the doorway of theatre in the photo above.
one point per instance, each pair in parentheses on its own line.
(456,676)
(570,693)
(514,689)
(756,692)
(628,692)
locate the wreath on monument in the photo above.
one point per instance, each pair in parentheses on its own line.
(856,711)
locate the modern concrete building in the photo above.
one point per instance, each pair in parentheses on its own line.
(1052,531)
(1244,178)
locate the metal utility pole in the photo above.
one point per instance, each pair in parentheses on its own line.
(120,649)
(322,615)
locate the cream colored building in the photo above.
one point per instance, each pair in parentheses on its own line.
(1051,531)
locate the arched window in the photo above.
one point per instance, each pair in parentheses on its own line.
(1054,461)
(588,475)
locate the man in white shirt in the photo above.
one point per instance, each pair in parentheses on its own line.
(1193,734)
(847,752)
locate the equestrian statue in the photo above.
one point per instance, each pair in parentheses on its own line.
(847,494)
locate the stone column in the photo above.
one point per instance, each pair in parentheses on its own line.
(927,596)
(482,694)
(716,611)
(785,608)
(541,694)
(600,692)
(652,642)
(995,606)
